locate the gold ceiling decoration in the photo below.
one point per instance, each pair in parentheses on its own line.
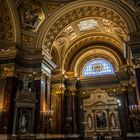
(6,23)
(86,41)
(90,25)
(79,13)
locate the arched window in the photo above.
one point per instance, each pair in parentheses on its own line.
(97,67)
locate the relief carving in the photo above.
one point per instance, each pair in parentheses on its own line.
(31,16)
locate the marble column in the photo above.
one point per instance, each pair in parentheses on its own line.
(71,104)
(134,45)
(124,90)
(57,105)
(57,100)
(8,105)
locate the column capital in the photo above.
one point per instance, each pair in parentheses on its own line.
(58,88)
(58,75)
(72,75)
(7,71)
(71,81)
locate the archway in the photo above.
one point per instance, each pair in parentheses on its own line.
(79,32)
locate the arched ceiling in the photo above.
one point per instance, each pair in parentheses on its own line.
(87,31)
(82,23)
(83,9)
(66,28)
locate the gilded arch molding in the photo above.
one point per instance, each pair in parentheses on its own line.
(74,63)
(82,44)
(82,9)
(100,52)
(15,21)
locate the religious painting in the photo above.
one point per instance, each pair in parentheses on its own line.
(101,119)
(89,121)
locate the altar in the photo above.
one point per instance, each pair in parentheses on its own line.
(101,116)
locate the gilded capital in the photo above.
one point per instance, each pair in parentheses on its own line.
(7,71)
(58,88)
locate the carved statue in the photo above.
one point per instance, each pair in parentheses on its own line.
(25,84)
(89,121)
(23,122)
(113,120)
(30,16)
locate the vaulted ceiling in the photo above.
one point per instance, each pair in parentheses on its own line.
(71,32)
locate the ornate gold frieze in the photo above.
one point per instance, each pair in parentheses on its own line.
(29,75)
(58,88)
(6,71)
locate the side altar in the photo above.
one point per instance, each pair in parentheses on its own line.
(24,113)
(101,118)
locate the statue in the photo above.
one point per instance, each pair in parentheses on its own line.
(30,16)
(27,85)
(113,120)
(89,119)
(23,122)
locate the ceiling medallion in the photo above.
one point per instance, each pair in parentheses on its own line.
(97,67)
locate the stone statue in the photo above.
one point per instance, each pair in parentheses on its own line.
(30,16)
(25,84)
(113,120)
(23,123)
(89,121)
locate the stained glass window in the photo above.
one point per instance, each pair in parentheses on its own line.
(97,67)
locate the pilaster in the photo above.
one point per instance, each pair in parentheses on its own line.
(57,100)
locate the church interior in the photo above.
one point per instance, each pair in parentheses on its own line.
(70,69)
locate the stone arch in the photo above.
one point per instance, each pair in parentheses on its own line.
(90,43)
(56,57)
(10,22)
(80,9)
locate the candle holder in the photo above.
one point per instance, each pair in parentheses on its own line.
(134,112)
(48,116)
